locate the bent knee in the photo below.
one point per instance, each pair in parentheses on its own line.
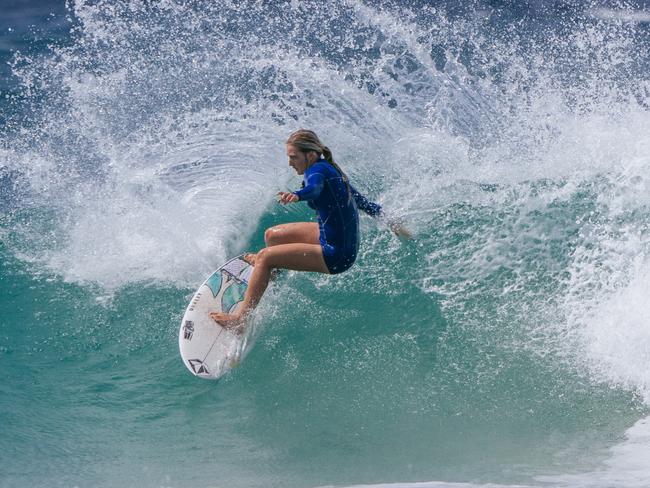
(262,258)
(272,236)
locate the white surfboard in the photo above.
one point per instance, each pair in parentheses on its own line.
(208,350)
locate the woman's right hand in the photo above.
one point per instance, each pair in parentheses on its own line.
(285,197)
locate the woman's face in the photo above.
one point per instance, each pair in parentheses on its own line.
(299,160)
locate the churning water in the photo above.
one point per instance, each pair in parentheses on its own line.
(507,344)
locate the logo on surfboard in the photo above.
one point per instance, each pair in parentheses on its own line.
(198,367)
(188,330)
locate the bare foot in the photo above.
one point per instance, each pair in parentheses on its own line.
(250,258)
(228,321)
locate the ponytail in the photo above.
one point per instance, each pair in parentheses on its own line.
(327,154)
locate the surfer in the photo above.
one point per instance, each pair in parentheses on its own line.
(329,245)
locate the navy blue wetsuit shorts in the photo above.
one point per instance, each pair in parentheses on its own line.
(336,204)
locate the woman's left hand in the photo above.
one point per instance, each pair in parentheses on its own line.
(396,225)
(400,231)
(287,197)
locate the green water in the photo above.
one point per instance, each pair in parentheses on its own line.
(506,344)
(357,377)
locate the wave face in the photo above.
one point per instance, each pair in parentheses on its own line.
(506,344)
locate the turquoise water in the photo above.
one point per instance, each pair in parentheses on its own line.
(506,344)
(352,393)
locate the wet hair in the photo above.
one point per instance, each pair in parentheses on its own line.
(307,141)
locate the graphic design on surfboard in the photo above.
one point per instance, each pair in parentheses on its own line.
(208,349)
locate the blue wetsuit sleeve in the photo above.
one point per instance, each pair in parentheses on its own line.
(313,187)
(371,208)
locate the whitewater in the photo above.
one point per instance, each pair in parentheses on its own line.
(506,345)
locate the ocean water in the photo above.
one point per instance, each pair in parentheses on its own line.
(506,345)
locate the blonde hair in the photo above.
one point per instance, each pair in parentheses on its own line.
(307,141)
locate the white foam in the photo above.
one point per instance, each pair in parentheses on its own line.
(627,466)
(632,16)
(433,484)
(614,329)
(172,217)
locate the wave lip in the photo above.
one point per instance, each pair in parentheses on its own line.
(631,16)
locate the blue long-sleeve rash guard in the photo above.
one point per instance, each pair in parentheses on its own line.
(338,219)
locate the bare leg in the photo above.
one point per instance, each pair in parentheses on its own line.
(306,232)
(251,257)
(294,232)
(296,256)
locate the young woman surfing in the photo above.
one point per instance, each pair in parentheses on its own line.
(328,246)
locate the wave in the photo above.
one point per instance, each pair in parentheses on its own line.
(147,149)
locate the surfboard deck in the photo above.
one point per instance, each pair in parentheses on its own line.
(208,350)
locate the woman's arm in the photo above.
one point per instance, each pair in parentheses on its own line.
(375,210)
(313,188)
(371,208)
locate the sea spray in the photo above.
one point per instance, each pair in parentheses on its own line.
(506,341)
